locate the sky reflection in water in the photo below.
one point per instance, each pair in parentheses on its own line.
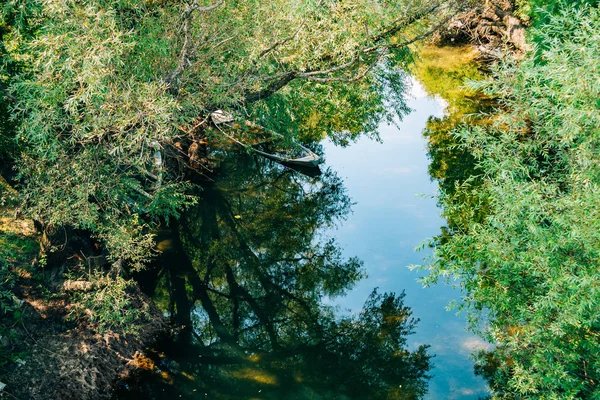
(389,220)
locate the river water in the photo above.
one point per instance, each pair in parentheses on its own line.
(395,213)
(261,279)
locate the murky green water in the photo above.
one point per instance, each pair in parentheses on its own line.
(262,279)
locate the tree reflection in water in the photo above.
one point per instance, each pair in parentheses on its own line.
(246,274)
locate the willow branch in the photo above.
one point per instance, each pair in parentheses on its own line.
(195,6)
(187,37)
(403,22)
(279,80)
(422,36)
(282,41)
(274,86)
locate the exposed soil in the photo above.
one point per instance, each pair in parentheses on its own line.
(60,359)
(74,362)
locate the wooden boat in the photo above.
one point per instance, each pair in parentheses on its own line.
(310,160)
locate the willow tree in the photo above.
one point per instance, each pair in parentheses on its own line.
(526,250)
(112,93)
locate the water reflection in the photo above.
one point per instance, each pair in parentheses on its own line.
(245,274)
(388,221)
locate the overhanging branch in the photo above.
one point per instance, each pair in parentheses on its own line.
(368,56)
(187,38)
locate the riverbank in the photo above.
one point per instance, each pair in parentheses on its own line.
(51,345)
(522,235)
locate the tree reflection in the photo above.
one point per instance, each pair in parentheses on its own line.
(247,274)
(444,72)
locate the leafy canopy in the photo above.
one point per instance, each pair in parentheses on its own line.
(110,95)
(529,267)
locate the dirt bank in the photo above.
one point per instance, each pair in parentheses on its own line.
(53,347)
(73,362)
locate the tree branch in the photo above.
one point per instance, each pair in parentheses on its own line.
(422,36)
(283,80)
(281,42)
(4,92)
(187,38)
(401,23)
(369,56)
(195,6)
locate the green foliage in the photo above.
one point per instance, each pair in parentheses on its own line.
(112,304)
(529,268)
(15,23)
(538,14)
(538,10)
(103,92)
(67,65)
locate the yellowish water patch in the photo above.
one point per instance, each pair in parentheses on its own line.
(256,375)
(444,72)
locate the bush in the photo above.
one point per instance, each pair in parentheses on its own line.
(530,268)
(111,304)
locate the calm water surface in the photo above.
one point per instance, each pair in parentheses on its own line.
(394,213)
(270,303)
